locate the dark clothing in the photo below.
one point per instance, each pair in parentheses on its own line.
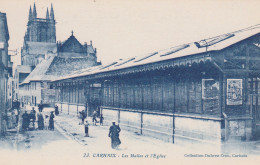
(51,122)
(40,122)
(56,110)
(40,107)
(101,119)
(94,118)
(26,121)
(114,135)
(33,116)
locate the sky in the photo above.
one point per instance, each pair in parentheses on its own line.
(124,28)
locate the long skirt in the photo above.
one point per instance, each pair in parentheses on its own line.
(115,141)
(51,125)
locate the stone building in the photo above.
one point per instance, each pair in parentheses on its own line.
(5,67)
(39,38)
(47,59)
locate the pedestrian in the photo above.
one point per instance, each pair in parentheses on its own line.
(82,116)
(13,119)
(56,110)
(4,124)
(94,118)
(40,121)
(9,120)
(86,128)
(114,135)
(40,107)
(101,119)
(46,122)
(33,116)
(16,113)
(51,121)
(25,121)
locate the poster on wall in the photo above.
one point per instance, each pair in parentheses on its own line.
(210,89)
(234,91)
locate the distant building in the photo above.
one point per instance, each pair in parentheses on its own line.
(50,59)
(5,68)
(21,72)
(39,38)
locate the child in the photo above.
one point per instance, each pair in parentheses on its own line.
(46,122)
(86,129)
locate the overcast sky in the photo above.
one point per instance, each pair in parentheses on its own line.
(123,28)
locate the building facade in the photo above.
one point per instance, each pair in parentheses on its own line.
(43,59)
(5,68)
(202,91)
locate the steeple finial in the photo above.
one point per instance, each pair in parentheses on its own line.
(30,14)
(47,14)
(52,13)
(34,11)
(72,33)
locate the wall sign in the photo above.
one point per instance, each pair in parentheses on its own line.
(234,91)
(210,89)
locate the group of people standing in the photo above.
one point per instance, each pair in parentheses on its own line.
(30,118)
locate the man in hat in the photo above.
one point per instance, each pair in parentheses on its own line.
(114,135)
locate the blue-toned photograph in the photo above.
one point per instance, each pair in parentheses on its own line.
(129,82)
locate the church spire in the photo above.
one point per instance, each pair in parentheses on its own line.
(47,14)
(34,11)
(52,13)
(30,14)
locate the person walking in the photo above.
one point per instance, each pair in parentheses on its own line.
(40,121)
(56,110)
(94,118)
(101,119)
(33,116)
(4,124)
(114,135)
(25,121)
(16,113)
(86,125)
(51,121)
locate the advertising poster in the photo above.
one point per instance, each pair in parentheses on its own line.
(234,91)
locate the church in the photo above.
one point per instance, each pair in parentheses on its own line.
(48,58)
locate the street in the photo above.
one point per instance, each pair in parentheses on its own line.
(68,143)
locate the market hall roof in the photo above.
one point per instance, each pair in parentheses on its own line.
(197,48)
(54,67)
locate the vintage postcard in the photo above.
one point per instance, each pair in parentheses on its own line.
(129,82)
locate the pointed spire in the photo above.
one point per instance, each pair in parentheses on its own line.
(30,14)
(34,11)
(52,13)
(47,14)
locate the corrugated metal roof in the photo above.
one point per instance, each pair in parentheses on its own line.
(211,44)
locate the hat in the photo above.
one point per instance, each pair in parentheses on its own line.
(113,121)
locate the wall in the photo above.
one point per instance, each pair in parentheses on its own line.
(166,127)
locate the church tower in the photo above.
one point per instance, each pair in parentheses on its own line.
(40,37)
(41,29)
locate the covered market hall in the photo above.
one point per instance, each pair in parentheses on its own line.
(206,90)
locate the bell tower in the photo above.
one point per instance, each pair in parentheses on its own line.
(41,29)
